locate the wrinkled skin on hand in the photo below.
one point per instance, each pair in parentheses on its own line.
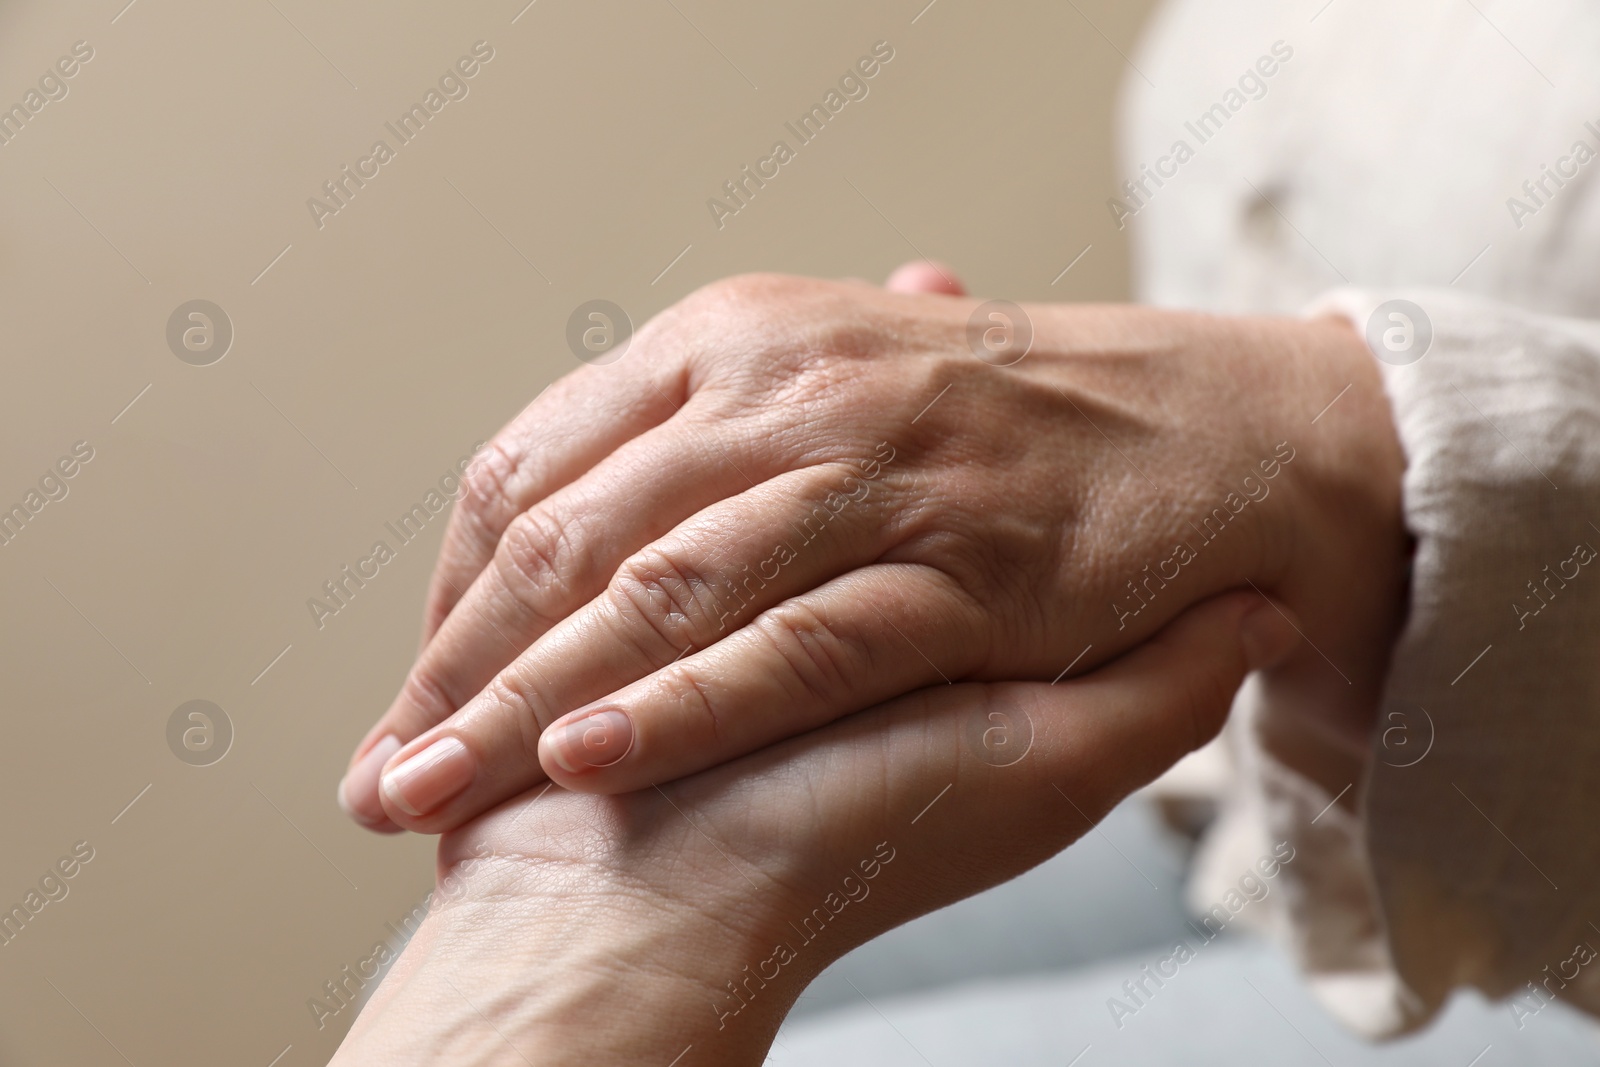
(793,499)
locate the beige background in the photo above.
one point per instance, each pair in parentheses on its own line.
(366,359)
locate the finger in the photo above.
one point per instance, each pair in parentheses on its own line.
(566,430)
(862,638)
(917,777)
(694,588)
(552,559)
(562,433)
(925,276)
(1156,703)
(889,814)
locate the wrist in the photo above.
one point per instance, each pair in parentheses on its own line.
(1346,574)
(529,963)
(1269,448)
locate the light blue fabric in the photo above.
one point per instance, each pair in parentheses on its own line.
(1022,974)
(1237,1002)
(1117,890)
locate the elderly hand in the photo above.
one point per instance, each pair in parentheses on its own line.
(678,926)
(793,499)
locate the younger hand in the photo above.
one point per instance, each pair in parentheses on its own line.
(622,930)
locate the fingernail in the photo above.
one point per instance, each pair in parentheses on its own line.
(358,789)
(597,739)
(425,781)
(1268,636)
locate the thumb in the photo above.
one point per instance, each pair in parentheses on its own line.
(1146,710)
(1031,766)
(925,276)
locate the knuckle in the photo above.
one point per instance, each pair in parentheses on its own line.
(751,291)
(488,501)
(695,696)
(672,600)
(820,661)
(746,318)
(518,707)
(537,559)
(424,691)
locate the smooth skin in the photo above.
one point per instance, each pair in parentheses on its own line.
(581,929)
(793,499)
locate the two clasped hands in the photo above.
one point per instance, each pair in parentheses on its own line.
(740,595)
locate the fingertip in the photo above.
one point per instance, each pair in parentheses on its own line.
(415,789)
(358,789)
(575,748)
(383,825)
(925,276)
(1268,635)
